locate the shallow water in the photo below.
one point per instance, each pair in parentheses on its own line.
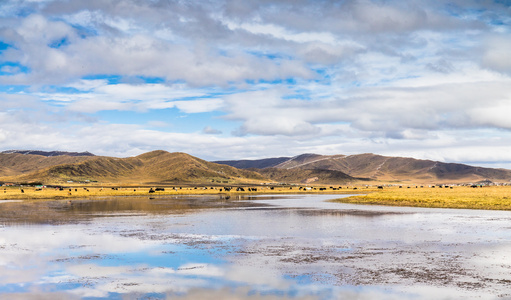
(260,247)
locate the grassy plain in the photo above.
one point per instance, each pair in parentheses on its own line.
(16,193)
(491,197)
(494,197)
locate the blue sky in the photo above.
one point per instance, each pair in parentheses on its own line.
(254,79)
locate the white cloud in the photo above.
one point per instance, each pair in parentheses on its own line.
(329,54)
(286,78)
(496,53)
(210,130)
(88,85)
(495,115)
(10,69)
(139,54)
(199,106)
(98,95)
(266,113)
(281,33)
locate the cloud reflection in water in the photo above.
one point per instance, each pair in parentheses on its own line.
(306,249)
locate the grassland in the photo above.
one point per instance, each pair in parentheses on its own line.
(25,193)
(494,197)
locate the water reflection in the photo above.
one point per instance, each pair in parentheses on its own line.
(72,211)
(261,248)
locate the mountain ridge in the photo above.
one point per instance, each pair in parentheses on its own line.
(160,166)
(388,168)
(48,153)
(155,166)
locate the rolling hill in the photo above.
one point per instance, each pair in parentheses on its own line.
(48,153)
(15,163)
(257,164)
(171,168)
(152,167)
(307,176)
(384,168)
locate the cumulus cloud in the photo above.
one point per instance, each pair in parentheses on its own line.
(266,113)
(98,95)
(397,112)
(55,53)
(301,76)
(496,53)
(210,130)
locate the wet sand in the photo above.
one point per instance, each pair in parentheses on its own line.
(261,247)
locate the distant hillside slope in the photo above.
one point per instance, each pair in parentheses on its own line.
(155,166)
(48,153)
(385,168)
(12,164)
(258,164)
(309,176)
(285,170)
(165,167)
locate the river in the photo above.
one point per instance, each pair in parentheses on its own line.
(250,247)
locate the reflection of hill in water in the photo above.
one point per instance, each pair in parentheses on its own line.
(328,212)
(344,213)
(74,211)
(82,210)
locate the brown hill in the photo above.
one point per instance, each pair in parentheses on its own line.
(307,176)
(257,164)
(165,167)
(385,168)
(155,166)
(176,167)
(12,164)
(48,153)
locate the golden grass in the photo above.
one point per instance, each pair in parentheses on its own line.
(15,193)
(494,198)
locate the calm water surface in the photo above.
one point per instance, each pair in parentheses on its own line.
(257,247)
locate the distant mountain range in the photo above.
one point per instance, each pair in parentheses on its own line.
(162,167)
(48,153)
(379,168)
(258,164)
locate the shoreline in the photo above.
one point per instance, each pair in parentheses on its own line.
(31,193)
(486,198)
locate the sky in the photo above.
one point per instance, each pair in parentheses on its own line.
(230,79)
